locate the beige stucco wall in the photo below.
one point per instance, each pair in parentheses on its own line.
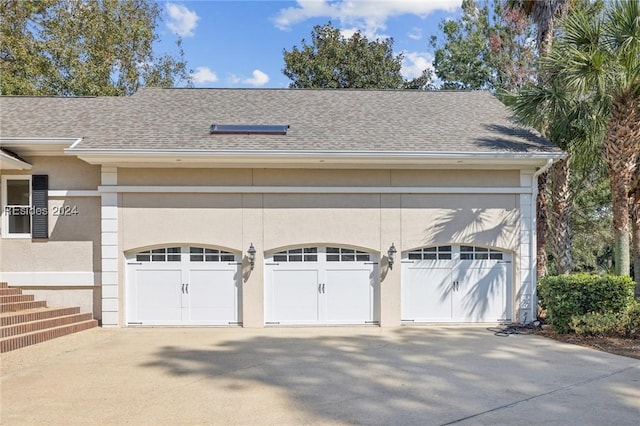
(455,178)
(273,221)
(183,177)
(158,219)
(346,219)
(87,298)
(316,177)
(74,222)
(484,219)
(72,254)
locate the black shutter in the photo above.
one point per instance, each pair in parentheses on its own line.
(40,205)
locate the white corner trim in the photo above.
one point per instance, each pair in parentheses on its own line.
(73,145)
(51,279)
(62,193)
(534,236)
(103,189)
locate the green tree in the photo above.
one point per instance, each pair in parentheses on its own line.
(76,48)
(596,60)
(598,57)
(544,15)
(575,125)
(635,223)
(486,48)
(489,48)
(333,61)
(591,219)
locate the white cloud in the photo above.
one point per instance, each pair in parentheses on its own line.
(413,63)
(204,75)
(258,78)
(234,79)
(182,21)
(368,16)
(348,32)
(305,9)
(415,34)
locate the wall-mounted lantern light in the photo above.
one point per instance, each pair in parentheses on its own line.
(252,256)
(391,253)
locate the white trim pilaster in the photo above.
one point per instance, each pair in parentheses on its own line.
(109,242)
(526,303)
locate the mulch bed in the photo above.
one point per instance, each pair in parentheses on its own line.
(615,345)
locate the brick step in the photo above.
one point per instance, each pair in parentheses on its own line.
(28,327)
(16,298)
(8,291)
(18,306)
(4,284)
(10,318)
(16,342)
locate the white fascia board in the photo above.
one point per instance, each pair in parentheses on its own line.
(8,162)
(311,190)
(39,146)
(176,158)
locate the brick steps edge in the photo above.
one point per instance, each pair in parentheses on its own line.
(29,327)
(16,342)
(11,318)
(18,306)
(10,298)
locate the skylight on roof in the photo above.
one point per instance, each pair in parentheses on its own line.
(249,129)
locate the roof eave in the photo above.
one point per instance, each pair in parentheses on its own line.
(195,158)
(9,162)
(39,146)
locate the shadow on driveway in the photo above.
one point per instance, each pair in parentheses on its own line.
(330,375)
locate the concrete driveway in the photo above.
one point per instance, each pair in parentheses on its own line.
(331,375)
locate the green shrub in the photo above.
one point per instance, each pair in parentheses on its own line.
(623,324)
(597,324)
(565,296)
(631,320)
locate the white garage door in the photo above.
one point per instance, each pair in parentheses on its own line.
(456,284)
(183,285)
(320,285)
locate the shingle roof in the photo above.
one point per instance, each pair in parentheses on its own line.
(320,120)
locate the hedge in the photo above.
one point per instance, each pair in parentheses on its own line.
(566,296)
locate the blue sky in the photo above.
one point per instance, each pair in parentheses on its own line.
(240,43)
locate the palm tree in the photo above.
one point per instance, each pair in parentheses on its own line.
(635,223)
(576,126)
(543,13)
(596,58)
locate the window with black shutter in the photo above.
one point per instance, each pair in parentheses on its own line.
(16,206)
(39,204)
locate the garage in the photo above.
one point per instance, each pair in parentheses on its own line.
(456,283)
(183,285)
(320,285)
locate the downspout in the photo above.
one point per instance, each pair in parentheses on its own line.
(533,301)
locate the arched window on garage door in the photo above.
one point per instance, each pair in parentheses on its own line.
(456,283)
(183,285)
(325,284)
